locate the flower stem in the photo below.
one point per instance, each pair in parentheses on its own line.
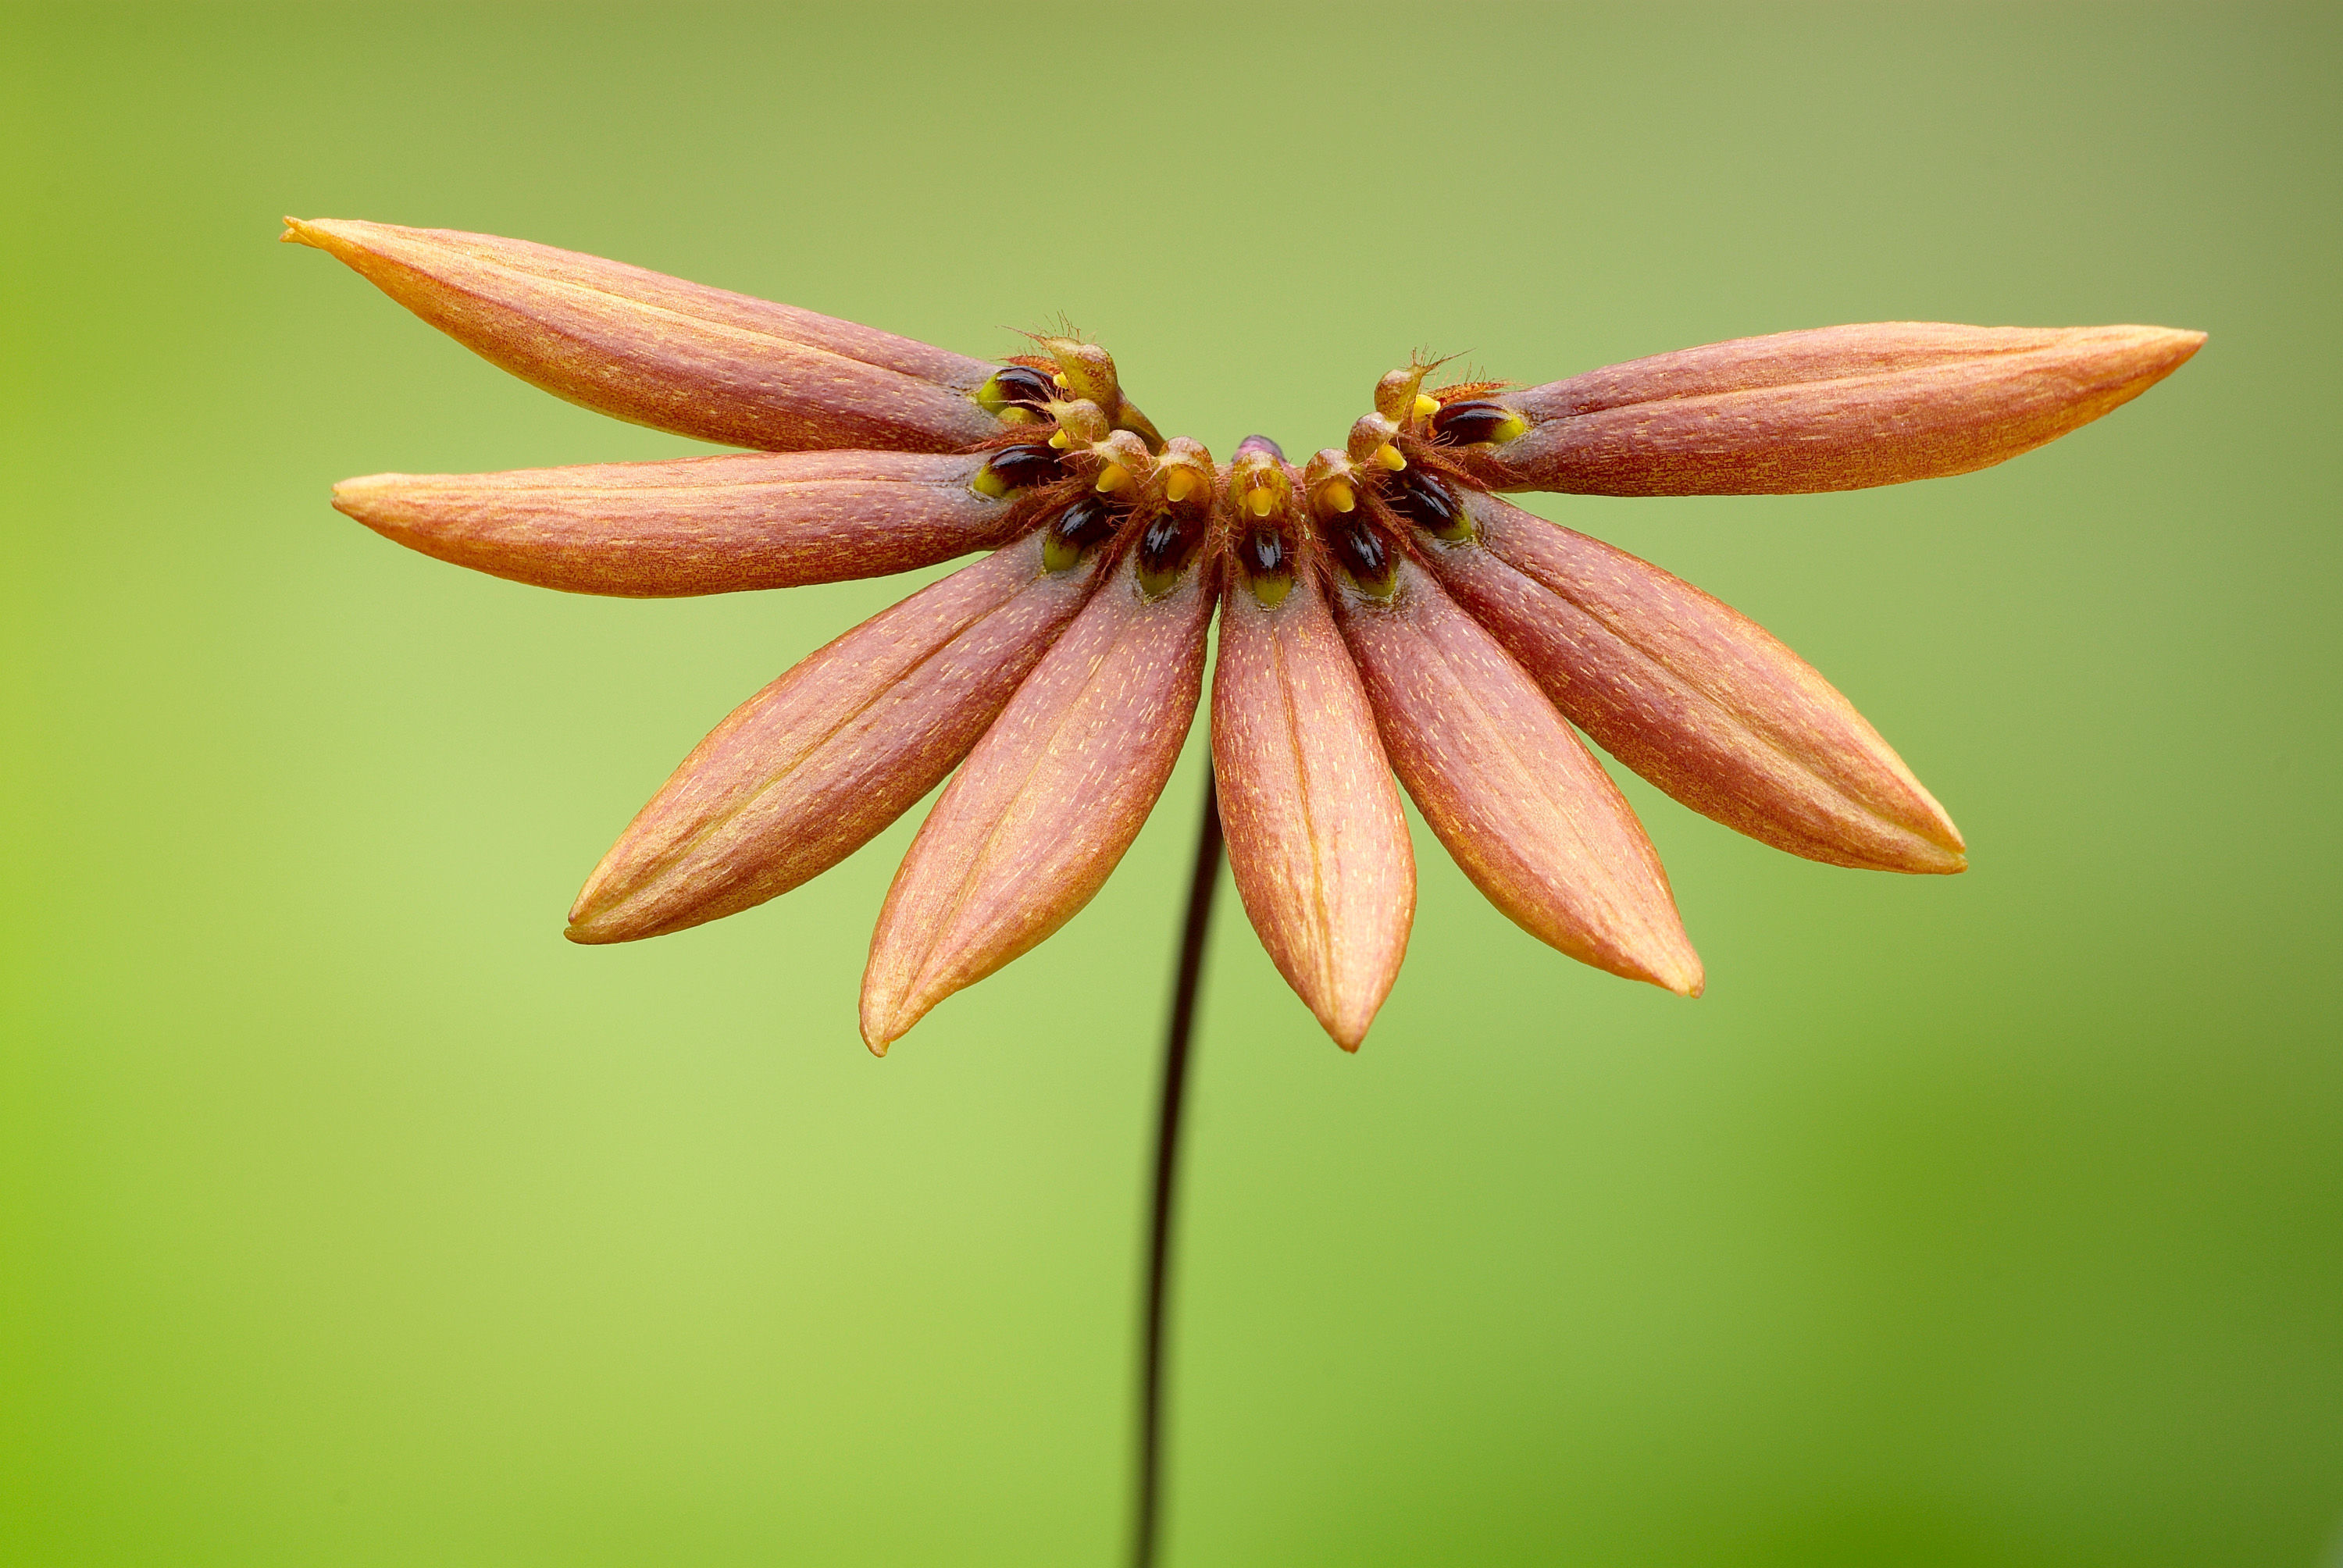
(1202,882)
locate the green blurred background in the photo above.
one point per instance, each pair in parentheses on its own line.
(347,1215)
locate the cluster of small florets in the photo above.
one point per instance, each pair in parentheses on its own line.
(1094,479)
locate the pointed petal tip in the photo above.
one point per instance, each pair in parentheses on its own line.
(604,914)
(1348,1032)
(2179,341)
(1936,860)
(887,1012)
(350,495)
(1936,847)
(587,924)
(590,914)
(1951,841)
(317,232)
(882,1029)
(1680,971)
(371,500)
(2158,351)
(1354,1002)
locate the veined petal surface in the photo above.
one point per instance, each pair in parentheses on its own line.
(656,350)
(690,525)
(1693,696)
(1508,788)
(1317,843)
(816,764)
(1836,409)
(1032,826)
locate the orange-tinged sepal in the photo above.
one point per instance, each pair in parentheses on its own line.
(811,768)
(1317,843)
(658,351)
(1508,787)
(693,525)
(1836,409)
(1031,828)
(1693,696)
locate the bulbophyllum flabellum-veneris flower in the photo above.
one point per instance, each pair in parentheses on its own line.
(1383,613)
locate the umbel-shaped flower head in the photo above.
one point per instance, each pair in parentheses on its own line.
(1385,613)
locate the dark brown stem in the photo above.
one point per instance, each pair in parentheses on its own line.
(1202,882)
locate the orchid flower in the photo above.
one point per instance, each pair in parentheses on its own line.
(1384,614)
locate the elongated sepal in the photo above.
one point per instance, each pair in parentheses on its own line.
(811,768)
(1508,787)
(1694,696)
(1836,408)
(656,350)
(1031,828)
(692,525)
(1316,840)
